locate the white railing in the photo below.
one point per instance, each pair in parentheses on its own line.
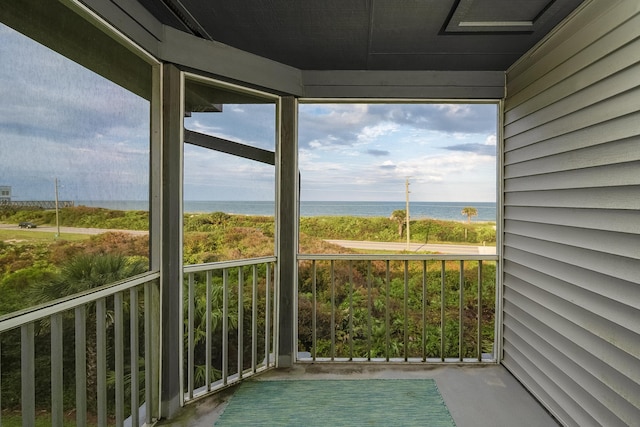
(396,308)
(93,353)
(229,323)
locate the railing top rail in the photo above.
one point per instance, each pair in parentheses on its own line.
(31,314)
(194,268)
(398,257)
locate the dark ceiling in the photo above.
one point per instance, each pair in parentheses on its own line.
(372,34)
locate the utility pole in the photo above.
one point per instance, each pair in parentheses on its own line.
(406,183)
(57,216)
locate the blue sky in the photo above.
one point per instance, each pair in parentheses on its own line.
(58,120)
(367,151)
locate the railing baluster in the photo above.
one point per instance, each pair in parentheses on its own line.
(370,311)
(274,310)
(0,380)
(149,354)
(89,353)
(424,311)
(442,310)
(28,368)
(207,356)
(479,337)
(225,325)
(56,370)
(333,312)
(406,310)
(190,322)
(461,312)
(240,322)
(254,319)
(314,314)
(267,320)
(81,365)
(394,291)
(234,347)
(134,338)
(387,323)
(119,357)
(350,310)
(101,355)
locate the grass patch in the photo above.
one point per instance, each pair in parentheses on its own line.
(39,236)
(43,419)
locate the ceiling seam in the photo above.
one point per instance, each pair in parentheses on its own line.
(186,18)
(370,37)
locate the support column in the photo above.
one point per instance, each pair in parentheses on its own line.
(152,292)
(171,242)
(287,226)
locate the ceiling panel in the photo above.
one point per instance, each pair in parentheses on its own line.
(372,34)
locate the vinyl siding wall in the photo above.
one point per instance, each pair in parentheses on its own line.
(571,194)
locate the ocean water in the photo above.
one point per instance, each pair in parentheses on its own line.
(417,210)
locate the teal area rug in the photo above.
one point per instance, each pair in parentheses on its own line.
(337,403)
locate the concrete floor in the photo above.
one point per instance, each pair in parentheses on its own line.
(476,395)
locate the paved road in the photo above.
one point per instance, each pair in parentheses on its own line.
(77,230)
(415,247)
(353,244)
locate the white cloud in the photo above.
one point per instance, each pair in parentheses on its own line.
(372,133)
(458,110)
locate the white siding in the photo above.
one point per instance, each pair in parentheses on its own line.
(572,218)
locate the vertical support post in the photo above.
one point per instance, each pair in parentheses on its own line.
(498,320)
(152,290)
(151,347)
(171,238)
(287,226)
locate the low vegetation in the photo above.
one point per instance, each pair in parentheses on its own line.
(36,267)
(31,257)
(79,216)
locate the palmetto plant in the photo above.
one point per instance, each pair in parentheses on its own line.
(79,274)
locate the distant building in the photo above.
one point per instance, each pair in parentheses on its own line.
(5,193)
